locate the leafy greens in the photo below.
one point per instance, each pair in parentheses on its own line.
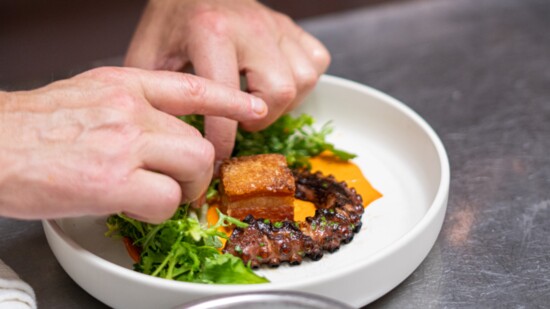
(294,137)
(181,248)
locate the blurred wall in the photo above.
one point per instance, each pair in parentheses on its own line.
(42,41)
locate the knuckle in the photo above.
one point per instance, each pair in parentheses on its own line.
(260,22)
(106,174)
(123,100)
(306,78)
(184,129)
(193,86)
(205,154)
(284,19)
(107,74)
(212,20)
(170,197)
(194,132)
(201,155)
(321,57)
(283,95)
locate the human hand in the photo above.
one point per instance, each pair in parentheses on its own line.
(223,38)
(103,142)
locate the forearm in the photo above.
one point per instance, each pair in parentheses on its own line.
(9,160)
(5,99)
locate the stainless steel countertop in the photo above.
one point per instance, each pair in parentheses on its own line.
(479,72)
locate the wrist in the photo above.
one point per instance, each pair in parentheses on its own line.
(7,99)
(8,160)
(4,97)
(162,4)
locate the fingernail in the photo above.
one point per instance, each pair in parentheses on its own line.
(258,106)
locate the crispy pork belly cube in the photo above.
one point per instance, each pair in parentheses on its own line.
(261,185)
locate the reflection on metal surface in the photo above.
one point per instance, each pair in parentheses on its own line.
(460,224)
(266,300)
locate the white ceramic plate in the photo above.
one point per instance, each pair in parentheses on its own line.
(397,151)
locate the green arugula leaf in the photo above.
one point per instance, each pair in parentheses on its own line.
(226,268)
(181,249)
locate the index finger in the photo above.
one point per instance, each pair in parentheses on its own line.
(183,94)
(216,59)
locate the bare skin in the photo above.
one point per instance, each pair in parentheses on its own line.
(105,142)
(223,38)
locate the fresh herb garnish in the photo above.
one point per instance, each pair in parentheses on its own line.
(181,249)
(294,137)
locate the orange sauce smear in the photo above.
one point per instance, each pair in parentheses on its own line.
(328,165)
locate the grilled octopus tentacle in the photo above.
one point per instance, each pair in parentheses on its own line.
(337,218)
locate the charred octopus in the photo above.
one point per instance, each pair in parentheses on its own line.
(337,217)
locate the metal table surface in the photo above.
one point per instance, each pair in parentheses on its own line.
(479,72)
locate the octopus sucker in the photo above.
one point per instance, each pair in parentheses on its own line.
(337,218)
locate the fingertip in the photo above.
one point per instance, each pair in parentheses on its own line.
(221,133)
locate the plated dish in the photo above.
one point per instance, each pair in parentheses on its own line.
(397,151)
